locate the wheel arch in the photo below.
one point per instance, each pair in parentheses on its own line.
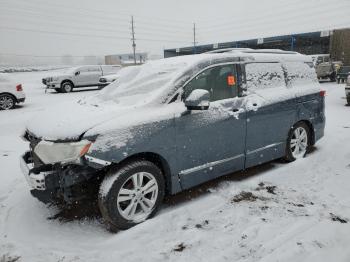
(311,129)
(12,95)
(67,80)
(154,158)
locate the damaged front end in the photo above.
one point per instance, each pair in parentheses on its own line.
(58,172)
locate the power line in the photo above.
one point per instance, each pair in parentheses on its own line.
(65,26)
(85,35)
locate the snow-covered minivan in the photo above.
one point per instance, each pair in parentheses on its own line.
(172,124)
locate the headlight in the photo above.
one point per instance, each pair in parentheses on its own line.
(50,152)
(54,78)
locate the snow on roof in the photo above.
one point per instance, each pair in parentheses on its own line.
(156,79)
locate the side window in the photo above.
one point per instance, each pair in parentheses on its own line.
(94,69)
(220,81)
(264,75)
(299,73)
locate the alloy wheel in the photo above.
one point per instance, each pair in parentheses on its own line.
(137,196)
(299,142)
(6,102)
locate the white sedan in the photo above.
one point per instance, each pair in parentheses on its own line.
(10,93)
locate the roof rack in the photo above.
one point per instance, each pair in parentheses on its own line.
(270,51)
(225,50)
(251,51)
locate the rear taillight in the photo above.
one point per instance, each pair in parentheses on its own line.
(323,93)
(19,88)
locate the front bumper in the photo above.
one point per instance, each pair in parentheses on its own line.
(60,184)
(53,85)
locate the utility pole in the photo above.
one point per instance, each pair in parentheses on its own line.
(133,38)
(194,38)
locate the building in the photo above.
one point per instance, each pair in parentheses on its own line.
(334,42)
(125,59)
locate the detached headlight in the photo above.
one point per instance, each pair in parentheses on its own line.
(50,152)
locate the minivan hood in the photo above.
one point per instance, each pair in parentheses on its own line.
(70,120)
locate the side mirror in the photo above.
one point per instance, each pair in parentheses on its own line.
(77,73)
(199,99)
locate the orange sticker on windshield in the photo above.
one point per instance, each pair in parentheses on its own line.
(231,81)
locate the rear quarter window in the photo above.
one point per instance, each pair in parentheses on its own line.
(299,73)
(264,75)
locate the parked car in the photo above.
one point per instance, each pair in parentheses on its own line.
(343,74)
(10,93)
(347,90)
(108,79)
(171,125)
(326,68)
(82,76)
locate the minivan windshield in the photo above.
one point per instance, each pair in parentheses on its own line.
(148,82)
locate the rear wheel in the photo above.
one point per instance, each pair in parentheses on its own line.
(66,87)
(131,194)
(7,102)
(298,142)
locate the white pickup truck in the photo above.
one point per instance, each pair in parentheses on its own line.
(81,76)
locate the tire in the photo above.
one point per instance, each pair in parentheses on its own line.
(7,101)
(122,200)
(297,147)
(332,77)
(66,87)
(348,100)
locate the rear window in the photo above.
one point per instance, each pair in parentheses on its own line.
(299,73)
(264,75)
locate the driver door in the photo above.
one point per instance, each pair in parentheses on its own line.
(211,143)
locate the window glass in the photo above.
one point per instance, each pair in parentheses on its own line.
(299,73)
(264,75)
(94,69)
(219,81)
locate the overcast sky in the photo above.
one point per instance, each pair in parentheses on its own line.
(100,27)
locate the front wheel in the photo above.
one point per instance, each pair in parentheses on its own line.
(298,142)
(66,87)
(131,194)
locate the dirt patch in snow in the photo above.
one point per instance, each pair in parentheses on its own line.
(8,258)
(270,189)
(203,224)
(246,196)
(338,219)
(179,247)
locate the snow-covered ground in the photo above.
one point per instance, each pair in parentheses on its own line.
(275,212)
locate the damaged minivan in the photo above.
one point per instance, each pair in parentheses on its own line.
(170,125)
